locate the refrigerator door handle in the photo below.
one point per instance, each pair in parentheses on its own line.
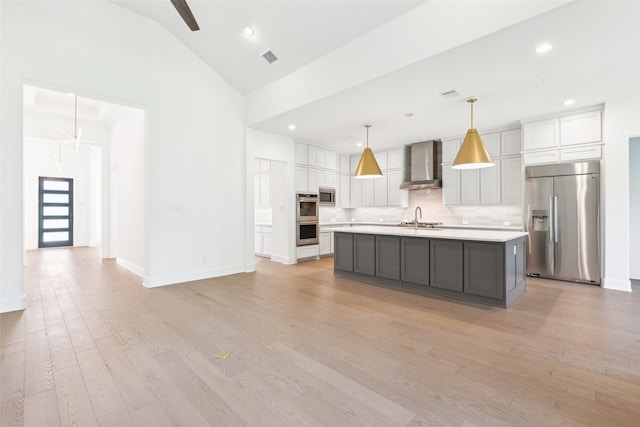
(551,220)
(555,217)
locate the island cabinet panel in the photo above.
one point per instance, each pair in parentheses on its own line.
(484,269)
(364,254)
(514,263)
(446,264)
(388,257)
(414,261)
(343,255)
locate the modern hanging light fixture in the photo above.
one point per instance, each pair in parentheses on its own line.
(472,154)
(368,167)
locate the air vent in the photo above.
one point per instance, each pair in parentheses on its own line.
(270,57)
(450,94)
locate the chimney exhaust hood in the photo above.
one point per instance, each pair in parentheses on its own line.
(423,165)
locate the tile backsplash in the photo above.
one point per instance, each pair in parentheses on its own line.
(430,201)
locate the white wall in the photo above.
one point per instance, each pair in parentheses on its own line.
(620,123)
(634,208)
(264,145)
(128,173)
(196,154)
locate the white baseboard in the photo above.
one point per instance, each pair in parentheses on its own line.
(134,268)
(284,260)
(617,284)
(13,304)
(189,276)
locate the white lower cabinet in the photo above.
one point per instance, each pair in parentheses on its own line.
(262,240)
(325,243)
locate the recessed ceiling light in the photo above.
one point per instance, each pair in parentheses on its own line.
(569,101)
(359,144)
(248,31)
(543,48)
(292,127)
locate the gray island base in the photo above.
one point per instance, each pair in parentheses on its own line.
(483,266)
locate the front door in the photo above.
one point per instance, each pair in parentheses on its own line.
(55,212)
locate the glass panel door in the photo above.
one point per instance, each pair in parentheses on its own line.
(55,212)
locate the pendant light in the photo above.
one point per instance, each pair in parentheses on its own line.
(368,167)
(472,154)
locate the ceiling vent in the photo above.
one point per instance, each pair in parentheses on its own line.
(270,57)
(450,94)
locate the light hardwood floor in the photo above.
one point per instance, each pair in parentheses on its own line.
(309,348)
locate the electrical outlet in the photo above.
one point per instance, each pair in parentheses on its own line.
(465,222)
(204,259)
(506,223)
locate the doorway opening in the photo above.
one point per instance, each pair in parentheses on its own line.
(55,212)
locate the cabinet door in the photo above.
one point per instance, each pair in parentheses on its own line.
(325,243)
(469,187)
(266,244)
(450,186)
(381,158)
(511,178)
(264,165)
(446,265)
(450,149)
(330,179)
(353,163)
(343,256)
(581,152)
(514,255)
(331,160)
(312,155)
(368,191)
(388,257)
(364,254)
(344,192)
(490,184)
(356,192)
(257,242)
(394,159)
(265,190)
(301,153)
(543,134)
(322,158)
(414,261)
(484,269)
(581,128)
(511,142)
(492,143)
(380,189)
(541,157)
(302,181)
(344,164)
(396,196)
(313,180)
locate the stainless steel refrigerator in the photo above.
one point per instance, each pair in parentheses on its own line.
(562,208)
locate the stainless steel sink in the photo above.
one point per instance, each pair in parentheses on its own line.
(421,225)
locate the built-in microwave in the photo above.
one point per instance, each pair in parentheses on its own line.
(327,196)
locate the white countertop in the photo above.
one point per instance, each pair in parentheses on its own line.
(438,233)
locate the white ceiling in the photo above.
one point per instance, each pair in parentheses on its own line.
(594,59)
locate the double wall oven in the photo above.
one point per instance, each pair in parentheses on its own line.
(307,228)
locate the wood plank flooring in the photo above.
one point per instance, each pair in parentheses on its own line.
(96,348)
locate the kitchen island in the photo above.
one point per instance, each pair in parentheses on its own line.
(484,266)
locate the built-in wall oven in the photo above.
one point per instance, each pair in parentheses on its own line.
(307,228)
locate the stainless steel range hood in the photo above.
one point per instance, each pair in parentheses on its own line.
(423,165)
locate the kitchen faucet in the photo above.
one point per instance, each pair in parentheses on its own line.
(415,217)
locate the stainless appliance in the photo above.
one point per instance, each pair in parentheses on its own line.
(327,196)
(307,228)
(562,204)
(423,165)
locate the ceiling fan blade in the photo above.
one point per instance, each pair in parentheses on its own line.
(183,9)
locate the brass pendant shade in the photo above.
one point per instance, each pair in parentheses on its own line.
(368,166)
(472,154)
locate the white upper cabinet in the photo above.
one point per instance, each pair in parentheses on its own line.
(353,163)
(381,158)
(492,143)
(450,149)
(312,155)
(396,196)
(380,190)
(581,128)
(344,164)
(511,142)
(301,153)
(331,160)
(394,159)
(542,134)
(469,187)
(450,186)
(490,185)
(511,178)
(302,180)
